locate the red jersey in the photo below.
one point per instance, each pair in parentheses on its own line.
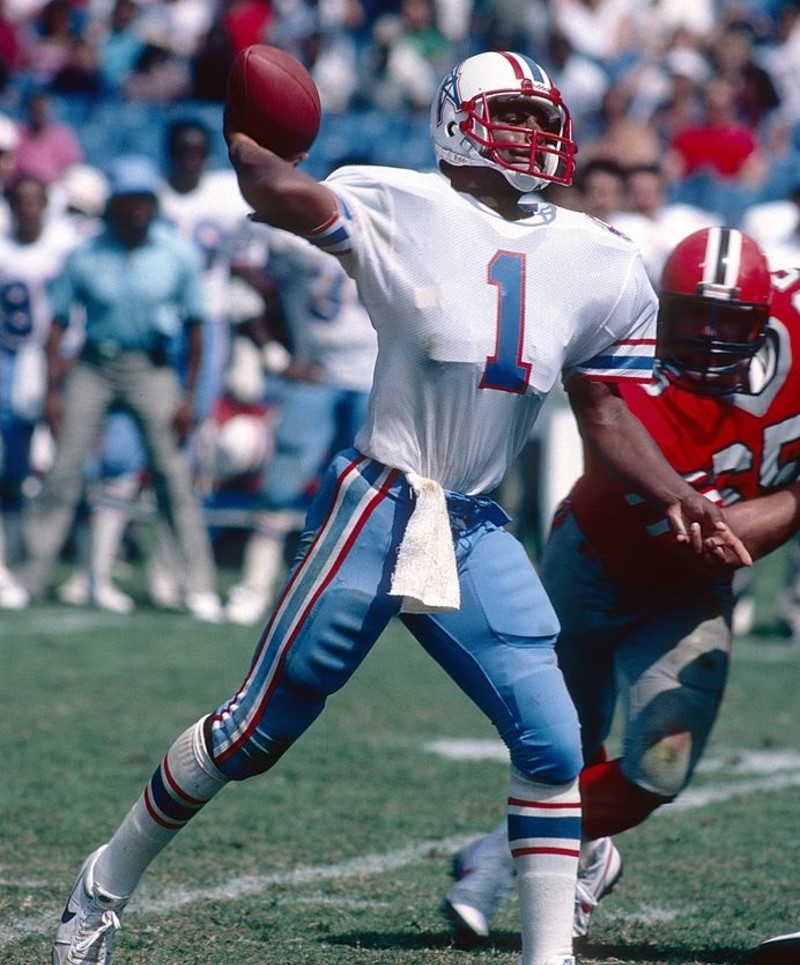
(728,448)
(720,150)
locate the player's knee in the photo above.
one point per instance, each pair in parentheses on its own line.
(665,766)
(256,756)
(556,760)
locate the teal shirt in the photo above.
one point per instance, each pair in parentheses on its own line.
(131,298)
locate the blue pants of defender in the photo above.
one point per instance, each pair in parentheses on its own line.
(499,647)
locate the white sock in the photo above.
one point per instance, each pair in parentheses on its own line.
(263,555)
(185,780)
(108,523)
(544,829)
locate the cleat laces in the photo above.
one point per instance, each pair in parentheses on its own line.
(95,937)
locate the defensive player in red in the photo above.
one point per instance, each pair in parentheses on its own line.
(638,624)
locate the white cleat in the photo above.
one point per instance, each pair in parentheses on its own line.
(744,616)
(484,873)
(205,607)
(13,595)
(78,591)
(163,589)
(89,921)
(599,869)
(108,597)
(246,606)
(74,591)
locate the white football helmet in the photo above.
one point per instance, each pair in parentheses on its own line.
(242,446)
(464,132)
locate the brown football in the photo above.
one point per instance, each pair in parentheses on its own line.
(272,98)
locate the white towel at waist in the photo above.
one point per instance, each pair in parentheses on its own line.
(425,573)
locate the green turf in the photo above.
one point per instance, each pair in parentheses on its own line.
(341,855)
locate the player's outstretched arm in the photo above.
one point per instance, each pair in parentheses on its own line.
(618,440)
(763,523)
(279,193)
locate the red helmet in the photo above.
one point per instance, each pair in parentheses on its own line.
(714,307)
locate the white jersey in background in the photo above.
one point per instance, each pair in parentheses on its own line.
(327,321)
(454,362)
(209,216)
(26,272)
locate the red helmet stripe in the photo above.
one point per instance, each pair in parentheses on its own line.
(519,73)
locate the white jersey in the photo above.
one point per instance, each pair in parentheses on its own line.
(209,217)
(477,317)
(26,273)
(328,323)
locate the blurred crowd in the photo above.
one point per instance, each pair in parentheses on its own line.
(686,115)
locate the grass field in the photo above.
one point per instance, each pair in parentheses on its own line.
(341,855)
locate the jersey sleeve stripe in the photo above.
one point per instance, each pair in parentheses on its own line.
(335,235)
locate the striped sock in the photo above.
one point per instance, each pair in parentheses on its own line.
(544,830)
(185,780)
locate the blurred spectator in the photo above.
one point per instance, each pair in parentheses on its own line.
(655,224)
(206,208)
(322,36)
(32,255)
(46,147)
(138,284)
(333,61)
(9,141)
(582,82)
(210,65)
(780,56)
(247,21)
(48,39)
(670,24)
(719,164)
(159,76)
(720,145)
(11,51)
(81,194)
(407,57)
(732,58)
(600,187)
(177,25)
(293,23)
(775,225)
(686,71)
(622,137)
(604,30)
(119,45)
(81,74)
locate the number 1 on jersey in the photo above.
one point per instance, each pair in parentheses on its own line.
(505,370)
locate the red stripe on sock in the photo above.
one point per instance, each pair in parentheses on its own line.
(566,852)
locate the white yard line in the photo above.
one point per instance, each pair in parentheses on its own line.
(759,772)
(15,929)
